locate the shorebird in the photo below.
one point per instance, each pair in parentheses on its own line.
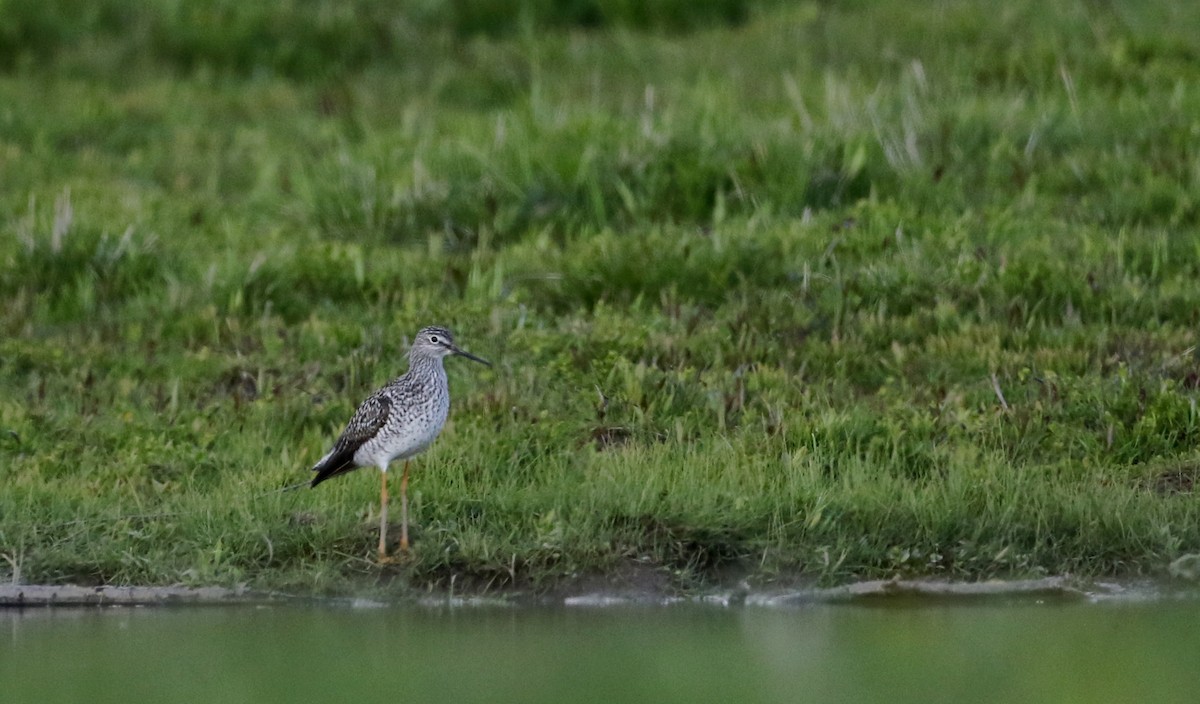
(397,422)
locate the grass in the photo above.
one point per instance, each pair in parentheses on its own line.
(839,291)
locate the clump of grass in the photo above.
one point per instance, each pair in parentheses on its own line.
(65,272)
(316,38)
(536,177)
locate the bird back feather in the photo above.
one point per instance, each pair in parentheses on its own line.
(370,417)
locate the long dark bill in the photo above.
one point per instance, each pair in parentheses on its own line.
(468,355)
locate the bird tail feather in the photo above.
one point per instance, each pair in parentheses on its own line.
(331,465)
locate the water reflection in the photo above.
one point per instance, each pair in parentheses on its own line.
(821,653)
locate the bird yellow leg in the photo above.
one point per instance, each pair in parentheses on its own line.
(383,506)
(404,509)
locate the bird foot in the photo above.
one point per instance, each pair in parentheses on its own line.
(395,559)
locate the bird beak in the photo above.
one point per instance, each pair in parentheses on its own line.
(468,355)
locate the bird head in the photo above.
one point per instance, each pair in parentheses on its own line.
(437,342)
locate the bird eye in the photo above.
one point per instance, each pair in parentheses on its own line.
(433,339)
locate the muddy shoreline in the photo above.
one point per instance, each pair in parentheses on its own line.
(873,592)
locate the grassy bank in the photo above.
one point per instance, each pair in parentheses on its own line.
(843,291)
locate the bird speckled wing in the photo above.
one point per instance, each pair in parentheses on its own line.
(370,417)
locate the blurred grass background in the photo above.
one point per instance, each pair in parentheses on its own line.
(830,289)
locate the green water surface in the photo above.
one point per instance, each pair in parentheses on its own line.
(1030,652)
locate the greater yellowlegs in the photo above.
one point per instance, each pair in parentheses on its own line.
(397,422)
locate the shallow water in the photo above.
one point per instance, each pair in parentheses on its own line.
(1026,652)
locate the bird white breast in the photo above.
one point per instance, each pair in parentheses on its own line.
(409,431)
